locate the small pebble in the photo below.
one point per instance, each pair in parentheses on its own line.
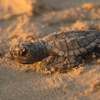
(98,61)
(96,84)
(52,69)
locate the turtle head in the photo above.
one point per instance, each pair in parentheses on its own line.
(24,53)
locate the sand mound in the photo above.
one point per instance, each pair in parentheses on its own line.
(31,7)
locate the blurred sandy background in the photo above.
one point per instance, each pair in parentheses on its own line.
(26,20)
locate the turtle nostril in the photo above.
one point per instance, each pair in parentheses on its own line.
(24,52)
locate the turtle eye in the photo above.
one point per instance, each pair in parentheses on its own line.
(15,54)
(23,52)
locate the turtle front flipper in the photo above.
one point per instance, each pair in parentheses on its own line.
(59,64)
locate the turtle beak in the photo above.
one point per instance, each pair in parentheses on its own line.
(9,56)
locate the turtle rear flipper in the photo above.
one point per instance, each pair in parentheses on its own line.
(59,64)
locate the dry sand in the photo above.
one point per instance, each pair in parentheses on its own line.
(26,20)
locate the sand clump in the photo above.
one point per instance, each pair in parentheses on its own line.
(28,20)
(31,7)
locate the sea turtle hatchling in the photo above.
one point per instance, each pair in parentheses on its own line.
(58,51)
